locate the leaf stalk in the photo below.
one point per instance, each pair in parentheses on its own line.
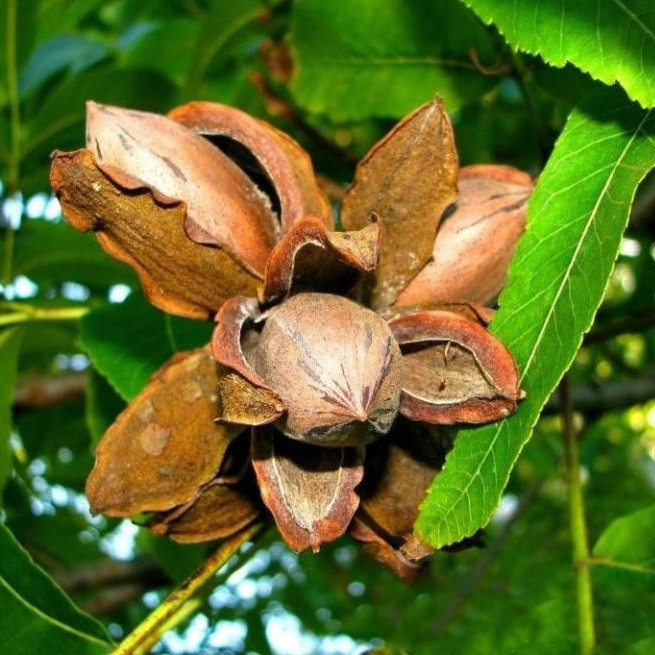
(159,620)
(29,314)
(578,525)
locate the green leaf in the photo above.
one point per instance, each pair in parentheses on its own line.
(65,107)
(576,218)
(52,253)
(629,542)
(9,348)
(129,342)
(70,53)
(359,58)
(161,51)
(643,647)
(612,40)
(37,616)
(224,21)
(102,405)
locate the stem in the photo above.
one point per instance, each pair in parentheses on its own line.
(628,325)
(579,540)
(11,73)
(520,75)
(30,314)
(158,620)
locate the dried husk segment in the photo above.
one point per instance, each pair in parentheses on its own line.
(454,371)
(286,164)
(311,258)
(245,398)
(224,208)
(475,244)
(407,179)
(178,275)
(165,445)
(308,489)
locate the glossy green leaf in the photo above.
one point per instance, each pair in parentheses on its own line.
(52,253)
(224,21)
(9,348)
(612,40)
(102,405)
(128,342)
(359,58)
(65,53)
(37,616)
(65,107)
(576,218)
(629,542)
(167,49)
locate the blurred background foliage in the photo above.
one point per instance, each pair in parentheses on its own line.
(335,75)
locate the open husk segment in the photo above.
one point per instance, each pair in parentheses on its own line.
(224,207)
(310,490)
(454,371)
(283,160)
(407,179)
(177,274)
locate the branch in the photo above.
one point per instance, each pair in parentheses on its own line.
(142,570)
(159,619)
(594,399)
(578,526)
(49,391)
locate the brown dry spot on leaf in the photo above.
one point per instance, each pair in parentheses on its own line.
(165,445)
(475,244)
(178,275)
(408,179)
(454,371)
(335,365)
(245,398)
(224,208)
(285,163)
(308,489)
(309,257)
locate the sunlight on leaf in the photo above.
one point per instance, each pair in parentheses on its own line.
(556,282)
(37,616)
(612,40)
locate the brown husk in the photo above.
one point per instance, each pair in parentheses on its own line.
(178,275)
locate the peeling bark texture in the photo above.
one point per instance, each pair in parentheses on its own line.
(454,371)
(310,258)
(285,163)
(308,489)
(224,208)
(407,179)
(178,275)
(475,245)
(165,446)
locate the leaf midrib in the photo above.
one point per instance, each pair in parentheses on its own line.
(592,215)
(47,618)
